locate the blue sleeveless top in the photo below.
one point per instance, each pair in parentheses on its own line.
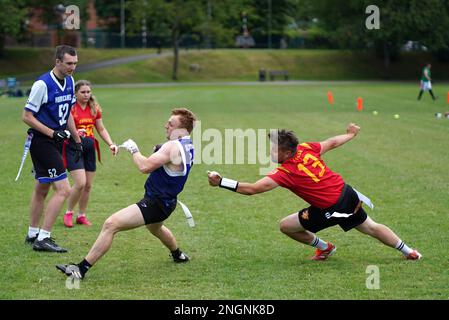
(166,184)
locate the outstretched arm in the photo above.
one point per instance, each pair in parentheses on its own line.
(166,154)
(335,142)
(262,185)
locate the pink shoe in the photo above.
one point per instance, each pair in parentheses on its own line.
(414,255)
(83,220)
(68,219)
(321,255)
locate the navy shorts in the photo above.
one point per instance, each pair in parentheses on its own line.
(87,161)
(155,210)
(347,213)
(46,155)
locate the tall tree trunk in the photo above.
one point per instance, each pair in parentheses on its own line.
(387,58)
(175,41)
(2,45)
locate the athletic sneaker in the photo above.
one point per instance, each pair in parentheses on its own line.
(30,240)
(414,255)
(68,219)
(47,244)
(181,258)
(321,255)
(70,270)
(83,220)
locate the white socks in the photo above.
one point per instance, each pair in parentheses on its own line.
(318,243)
(32,232)
(43,234)
(401,246)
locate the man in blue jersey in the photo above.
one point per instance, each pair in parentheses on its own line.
(169,167)
(47,112)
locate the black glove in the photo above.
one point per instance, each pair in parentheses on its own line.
(60,135)
(78,151)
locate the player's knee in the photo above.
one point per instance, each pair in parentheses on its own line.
(111,225)
(87,187)
(285,226)
(42,191)
(79,184)
(63,191)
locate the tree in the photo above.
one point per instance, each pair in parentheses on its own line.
(12,16)
(400,21)
(177,17)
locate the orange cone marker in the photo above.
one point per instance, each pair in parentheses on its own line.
(359,104)
(330,97)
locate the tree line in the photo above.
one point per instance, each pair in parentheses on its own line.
(217,23)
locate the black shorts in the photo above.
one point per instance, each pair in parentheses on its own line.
(156,210)
(87,161)
(46,155)
(315,219)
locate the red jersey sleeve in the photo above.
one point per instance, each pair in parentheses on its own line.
(279,176)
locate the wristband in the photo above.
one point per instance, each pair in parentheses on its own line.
(229,184)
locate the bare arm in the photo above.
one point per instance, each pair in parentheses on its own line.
(156,160)
(72,128)
(351,131)
(104,134)
(30,120)
(263,185)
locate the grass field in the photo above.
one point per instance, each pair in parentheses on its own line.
(236,249)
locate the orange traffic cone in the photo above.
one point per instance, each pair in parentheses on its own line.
(448,97)
(330,97)
(359,104)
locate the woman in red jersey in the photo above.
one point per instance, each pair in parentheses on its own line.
(87,114)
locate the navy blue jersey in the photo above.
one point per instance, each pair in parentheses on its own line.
(50,102)
(166,184)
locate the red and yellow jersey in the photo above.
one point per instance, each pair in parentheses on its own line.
(307,176)
(84,119)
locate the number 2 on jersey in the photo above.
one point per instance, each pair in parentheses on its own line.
(316,163)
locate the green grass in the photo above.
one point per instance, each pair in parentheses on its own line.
(236,248)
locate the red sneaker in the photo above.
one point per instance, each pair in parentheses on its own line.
(414,255)
(83,220)
(321,255)
(68,219)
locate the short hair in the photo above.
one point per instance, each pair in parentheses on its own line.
(62,50)
(285,139)
(187,118)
